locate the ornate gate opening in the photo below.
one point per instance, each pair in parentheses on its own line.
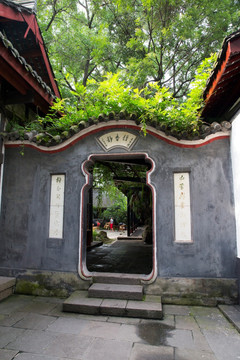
(132,209)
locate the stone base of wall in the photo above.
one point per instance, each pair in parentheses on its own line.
(195,291)
(46,283)
(179,291)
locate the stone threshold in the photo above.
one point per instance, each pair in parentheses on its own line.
(79,302)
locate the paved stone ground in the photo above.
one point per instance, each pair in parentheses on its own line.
(123,256)
(35,328)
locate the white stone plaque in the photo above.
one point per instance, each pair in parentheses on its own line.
(113,139)
(56,206)
(182,207)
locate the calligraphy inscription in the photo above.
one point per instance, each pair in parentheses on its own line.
(114,139)
(56,206)
(182,207)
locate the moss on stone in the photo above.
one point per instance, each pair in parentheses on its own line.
(35,288)
(26,287)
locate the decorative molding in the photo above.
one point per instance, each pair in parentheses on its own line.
(123,124)
(117,139)
(84,273)
(56,206)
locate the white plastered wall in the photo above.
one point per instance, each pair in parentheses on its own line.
(235,155)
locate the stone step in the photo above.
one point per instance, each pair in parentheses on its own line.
(117,279)
(6,286)
(78,303)
(116,291)
(232,313)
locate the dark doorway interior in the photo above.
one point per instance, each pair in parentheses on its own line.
(125,196)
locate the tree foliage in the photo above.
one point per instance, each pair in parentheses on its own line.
(104,184)
(151,104)
(161,41)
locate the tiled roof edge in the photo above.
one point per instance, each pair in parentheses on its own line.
(27,66)
(221,57)
(48,140)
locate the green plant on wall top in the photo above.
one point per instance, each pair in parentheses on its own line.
(151,103)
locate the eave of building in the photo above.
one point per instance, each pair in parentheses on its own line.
(15,70)
(9,11)
(29,4)
(223,87)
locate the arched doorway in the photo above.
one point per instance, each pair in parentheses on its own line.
(130,174)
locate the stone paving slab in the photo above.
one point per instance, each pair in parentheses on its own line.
(102,330)
(12,319)
(103,349)
(185,333)
(53,299)
(154,333)
(68,346)
(35,321)
(39,307)
(217,321)
(224,345)
(204,311)
(148,352)
(200,342)
(182,339)
(129,333)
(189,323)
(183,354)
(8,334)
(14,303)
(68,326)
(32,341)
(168,320)
(27,356)
(232,313)
(7,354)
(186,322)
(153,298)
(176,310)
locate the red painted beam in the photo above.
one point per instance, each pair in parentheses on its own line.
(10,76)
(10,13)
